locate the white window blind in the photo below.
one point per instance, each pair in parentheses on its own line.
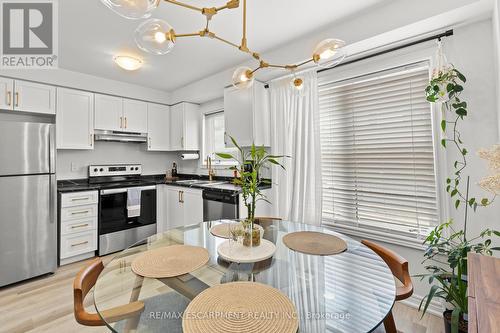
(214,141)
(377,151)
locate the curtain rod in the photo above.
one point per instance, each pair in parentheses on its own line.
(447,33)
(392,49)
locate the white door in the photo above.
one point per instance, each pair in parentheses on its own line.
(34,97)
(177,127)
(193,206)
(108,113)
(158,127)
(175,208)
(135,116)
(75,119)
(6,94)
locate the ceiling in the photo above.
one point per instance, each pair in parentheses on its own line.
(90,34)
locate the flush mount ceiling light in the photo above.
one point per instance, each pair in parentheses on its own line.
(158,37)
(128,63)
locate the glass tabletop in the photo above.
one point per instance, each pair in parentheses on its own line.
(348,292)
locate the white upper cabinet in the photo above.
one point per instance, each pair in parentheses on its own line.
(120,114)
(6,94)
(34,97)
(158,127)
(185,127)
(75,119)
(247,116)
(108,113)
(135,116)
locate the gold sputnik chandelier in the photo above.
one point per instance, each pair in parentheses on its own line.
(158,37)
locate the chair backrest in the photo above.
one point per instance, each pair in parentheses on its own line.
(260,219)
(398,266)
(83,283)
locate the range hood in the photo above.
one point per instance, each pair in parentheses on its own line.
(117,136)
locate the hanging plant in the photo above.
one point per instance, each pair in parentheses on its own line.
(447,248)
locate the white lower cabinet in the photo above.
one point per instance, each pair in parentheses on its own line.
(78,226)
(178,206)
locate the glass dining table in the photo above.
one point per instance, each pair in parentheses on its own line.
(348,292)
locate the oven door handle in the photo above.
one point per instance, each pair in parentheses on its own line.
(124,190)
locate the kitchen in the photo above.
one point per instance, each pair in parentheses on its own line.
(140,135)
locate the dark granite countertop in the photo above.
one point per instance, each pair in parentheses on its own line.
(78,185)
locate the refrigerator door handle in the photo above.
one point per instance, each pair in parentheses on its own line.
(53,199)
(52,149)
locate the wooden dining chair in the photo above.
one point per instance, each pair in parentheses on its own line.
(83,283)
(267,219)
(399,269)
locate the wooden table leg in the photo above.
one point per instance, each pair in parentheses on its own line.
(132,323)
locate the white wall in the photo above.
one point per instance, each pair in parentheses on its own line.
(496,40)
(112,152)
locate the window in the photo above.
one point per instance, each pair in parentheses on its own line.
(378,152)
(214,141)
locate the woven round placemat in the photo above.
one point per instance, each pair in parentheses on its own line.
(170,261)
(221,230)
(240,307)
(316,243)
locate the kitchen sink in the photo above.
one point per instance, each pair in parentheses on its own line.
(201,182)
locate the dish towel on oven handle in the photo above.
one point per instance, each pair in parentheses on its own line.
(133,202)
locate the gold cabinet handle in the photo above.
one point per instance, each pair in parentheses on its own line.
(81,243)
(121,122)
(80,212)
(80,199)
(79,226)
(179,194)
(182,141)
(125,122)
(17,99)
(182,196)
(9,98)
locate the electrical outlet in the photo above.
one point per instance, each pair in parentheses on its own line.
(74,167)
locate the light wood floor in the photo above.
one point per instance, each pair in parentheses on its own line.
(46,305)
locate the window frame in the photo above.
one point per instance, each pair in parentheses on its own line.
(401,58)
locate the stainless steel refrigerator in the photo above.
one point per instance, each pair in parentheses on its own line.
(28,201)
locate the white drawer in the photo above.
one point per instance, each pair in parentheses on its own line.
(80,225)
(76,244)
(78,212)
(79,198)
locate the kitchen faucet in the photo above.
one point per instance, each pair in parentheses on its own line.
(211,172)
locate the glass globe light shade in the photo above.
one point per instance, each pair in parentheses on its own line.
(155,36)
(132,9)
(329,52)
(243,77)
(298,84)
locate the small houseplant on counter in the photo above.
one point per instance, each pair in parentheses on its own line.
(248,168)
(447,248)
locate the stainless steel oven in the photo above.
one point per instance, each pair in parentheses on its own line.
(117,228)
(127,206)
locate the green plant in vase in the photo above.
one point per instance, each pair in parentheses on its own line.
(447,248)
(249,164)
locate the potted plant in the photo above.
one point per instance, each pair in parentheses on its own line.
(446,256)
(248,168)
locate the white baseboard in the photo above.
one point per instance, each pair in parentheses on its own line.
(435,307)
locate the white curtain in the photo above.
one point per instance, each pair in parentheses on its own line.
(295,132)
